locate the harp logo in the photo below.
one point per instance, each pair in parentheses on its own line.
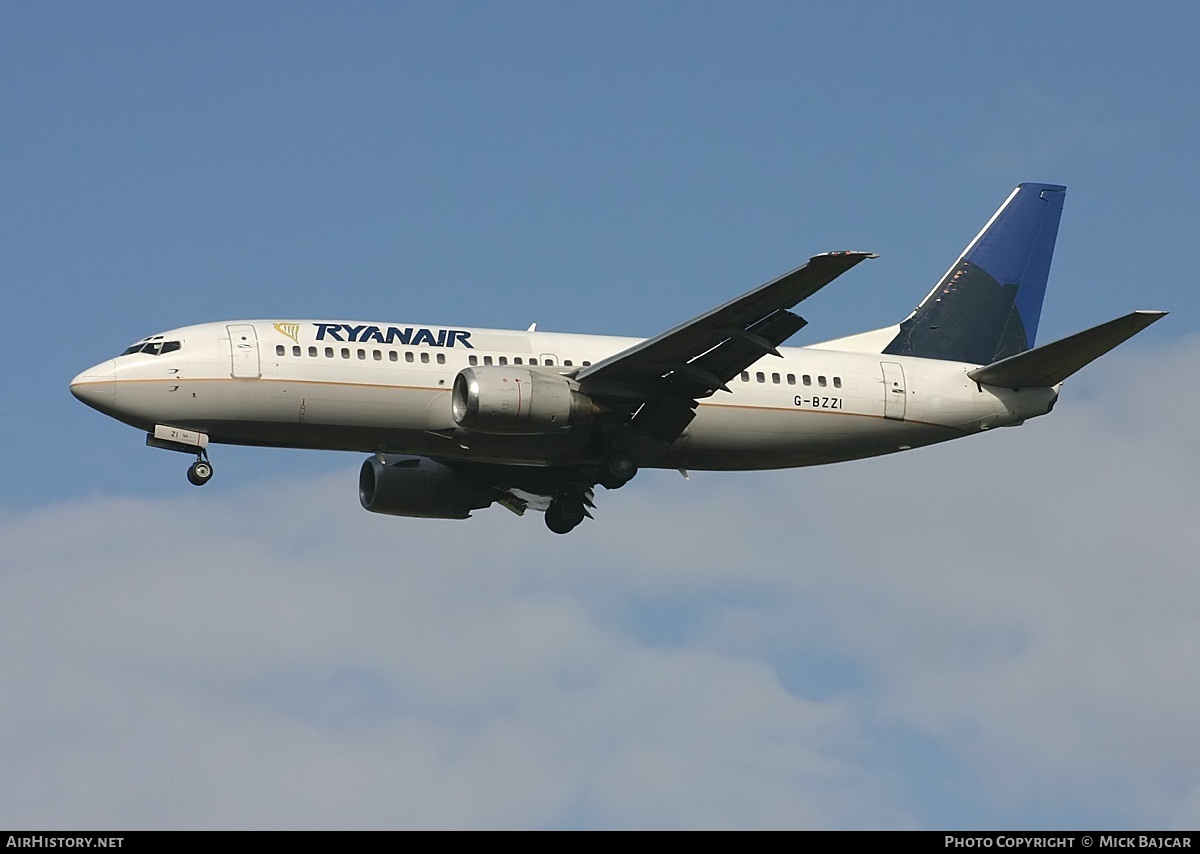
(291,330)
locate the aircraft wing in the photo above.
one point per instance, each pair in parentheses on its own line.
(663,377)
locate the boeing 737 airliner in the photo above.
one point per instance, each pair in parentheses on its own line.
(457,419)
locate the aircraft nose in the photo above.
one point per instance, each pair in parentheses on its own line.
(97,386)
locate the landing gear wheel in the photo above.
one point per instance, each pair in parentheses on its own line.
(564,514)
(617,470)
(200,472)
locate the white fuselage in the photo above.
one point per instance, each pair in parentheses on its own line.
(376,387)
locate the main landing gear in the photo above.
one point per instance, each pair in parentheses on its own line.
(201,471)
(617,470)
(567,510)
(570,504)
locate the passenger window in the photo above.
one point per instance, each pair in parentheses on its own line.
(837,382)
(821,382)
(296,350)
(328,352)
(745,376)
(487,360)
(441,358)
(345,352)
(362,354)
(472,360)
(312,352)
(533,361)
(587,364)
(392,356)
(377,356)
(278,349)
(549,362)
(503,360)
(408,357)
(775,378)
(791,378)
(761,377)
(568,363)
(424,358)
(517,360)
(807,379)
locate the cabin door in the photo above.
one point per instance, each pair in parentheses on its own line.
(894,393)
(243,352)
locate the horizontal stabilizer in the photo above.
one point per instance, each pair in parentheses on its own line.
(1047,366)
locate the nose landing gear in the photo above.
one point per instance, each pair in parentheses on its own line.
(187,442)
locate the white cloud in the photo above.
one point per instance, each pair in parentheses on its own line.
(186,663)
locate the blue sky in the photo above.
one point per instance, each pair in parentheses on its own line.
(994,633)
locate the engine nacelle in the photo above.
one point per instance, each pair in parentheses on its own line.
(516,400)
(416,486)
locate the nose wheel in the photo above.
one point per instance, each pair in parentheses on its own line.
(200,472)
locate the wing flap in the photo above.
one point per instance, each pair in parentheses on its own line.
(1050,364)
(745,347)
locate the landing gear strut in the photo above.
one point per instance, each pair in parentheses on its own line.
(201,471)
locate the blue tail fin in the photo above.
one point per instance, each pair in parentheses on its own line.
(987,306)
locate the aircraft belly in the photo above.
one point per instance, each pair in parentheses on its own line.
(334,416)
(360,405)
(726,437)
(417,420)
(563,448)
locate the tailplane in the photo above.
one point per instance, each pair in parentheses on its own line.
(1050,364)
(987,306)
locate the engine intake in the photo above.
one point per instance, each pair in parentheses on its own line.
(417,486)
(515,400)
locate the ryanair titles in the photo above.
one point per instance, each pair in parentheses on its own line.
(406,335)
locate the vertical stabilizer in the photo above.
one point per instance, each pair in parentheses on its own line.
(987,305)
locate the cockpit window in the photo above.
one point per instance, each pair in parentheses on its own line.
(154,348)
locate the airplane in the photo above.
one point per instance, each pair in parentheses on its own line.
(457,419)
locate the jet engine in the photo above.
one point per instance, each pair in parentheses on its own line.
(416,486)
(515,400)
